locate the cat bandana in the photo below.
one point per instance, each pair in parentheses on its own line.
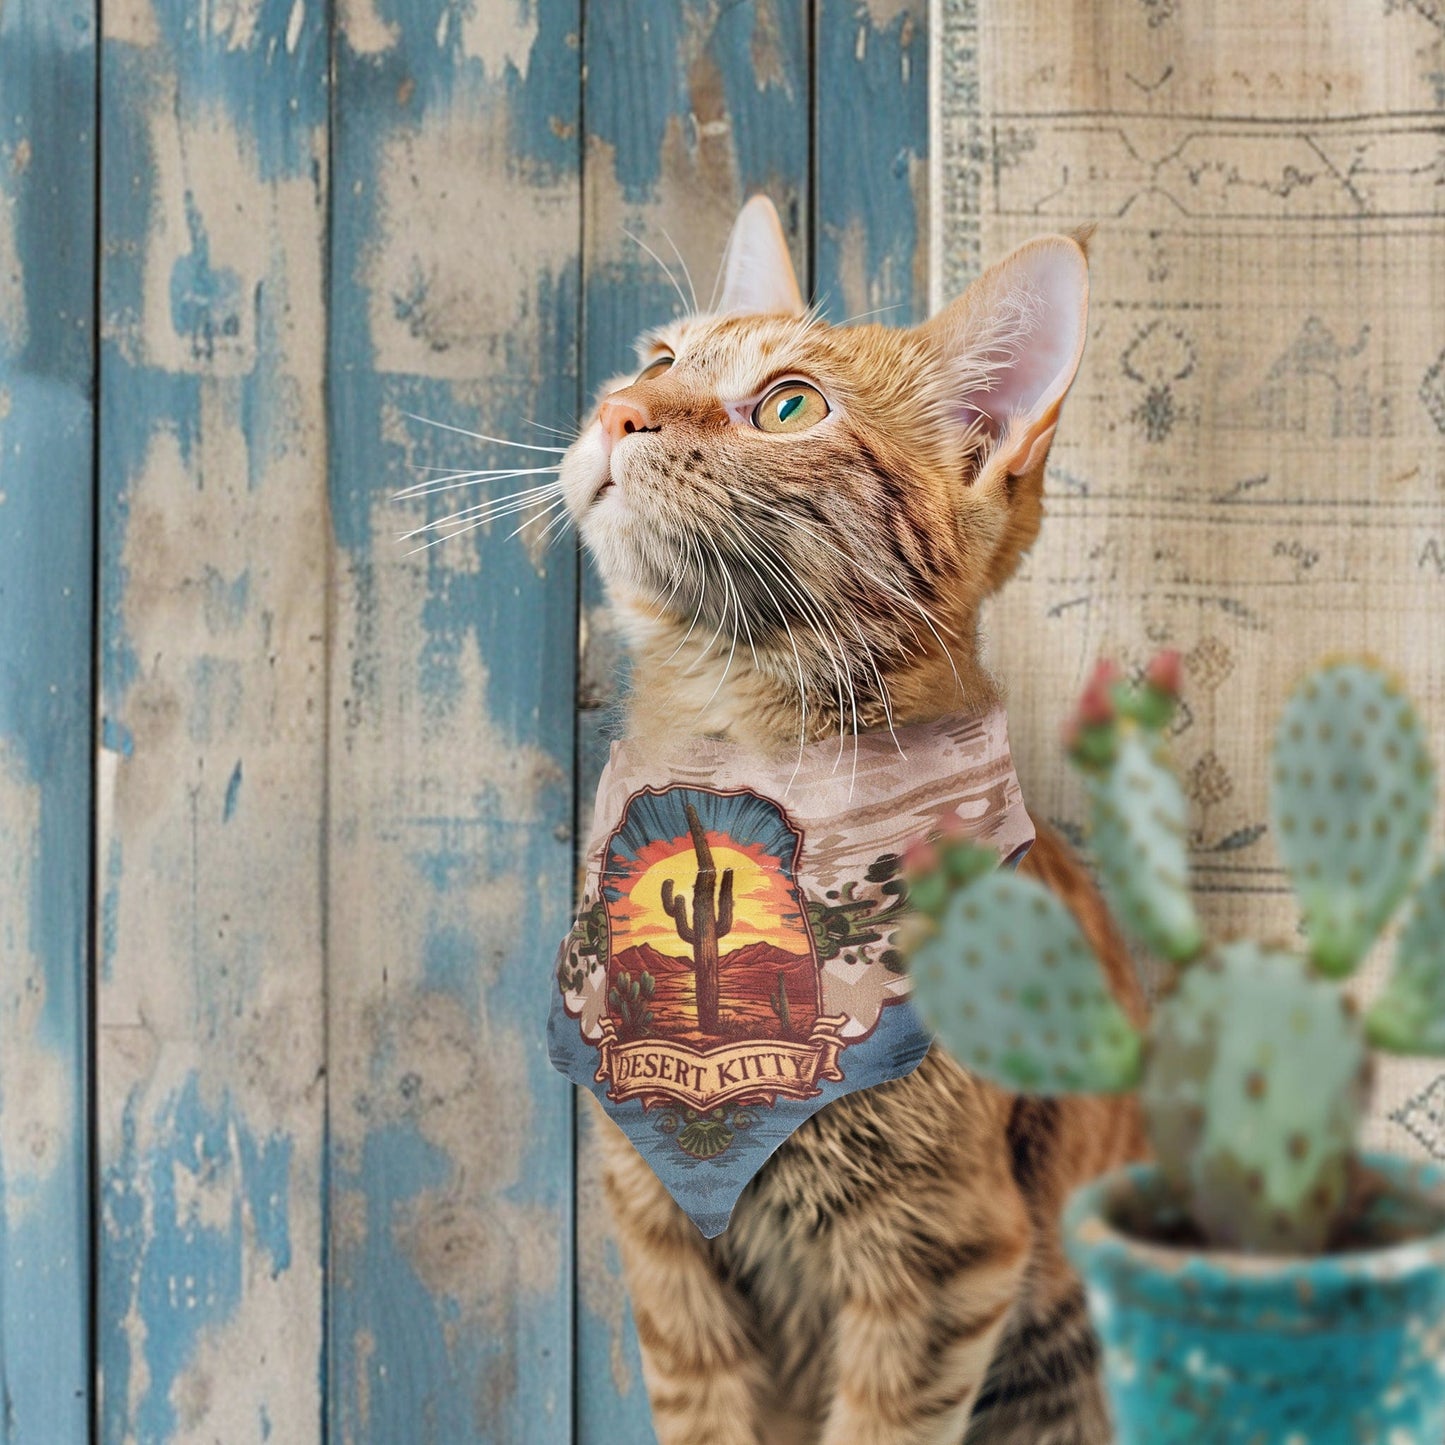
(733,965)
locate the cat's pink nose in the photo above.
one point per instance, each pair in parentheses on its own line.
(620,416)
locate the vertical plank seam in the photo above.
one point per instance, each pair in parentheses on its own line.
(579,352)
(810,220)
(91,991)
(329,622)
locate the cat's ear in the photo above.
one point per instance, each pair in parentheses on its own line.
(1011,345)
(757,272)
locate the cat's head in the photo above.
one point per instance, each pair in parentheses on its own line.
(803,518)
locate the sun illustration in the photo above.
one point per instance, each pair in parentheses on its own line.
(765,909)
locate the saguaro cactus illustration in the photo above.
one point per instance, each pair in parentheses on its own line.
(712,919)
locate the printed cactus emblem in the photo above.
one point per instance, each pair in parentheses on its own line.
(712,919)
(1254,1069)
(630,999)
(779,1000)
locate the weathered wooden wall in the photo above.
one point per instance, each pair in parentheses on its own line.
(287,811)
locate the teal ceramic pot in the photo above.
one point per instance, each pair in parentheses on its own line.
(1204,1348)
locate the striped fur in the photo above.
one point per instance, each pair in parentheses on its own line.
(893,1276)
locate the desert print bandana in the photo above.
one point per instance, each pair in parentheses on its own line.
(732,968)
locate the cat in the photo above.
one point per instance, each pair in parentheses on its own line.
(797,524)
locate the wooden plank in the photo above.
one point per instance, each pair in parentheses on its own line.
(212,555)
(454,297)
(47,222)
(872,158)
(690,108)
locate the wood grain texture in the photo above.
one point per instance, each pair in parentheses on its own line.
(47,218)
(871,185)
(336,785)
(690,109)
(211,767)
(454,264)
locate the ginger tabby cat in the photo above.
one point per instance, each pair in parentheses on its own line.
(797,525)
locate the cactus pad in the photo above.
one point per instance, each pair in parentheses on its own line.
(1352,795)
(1254,1083)
(1010,986)
(1409,1016)
(1138,838)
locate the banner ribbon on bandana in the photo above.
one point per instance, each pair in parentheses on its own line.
(733,967)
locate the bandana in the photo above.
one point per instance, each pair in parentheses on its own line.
(733,965)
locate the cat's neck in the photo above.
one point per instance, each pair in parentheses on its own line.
(683,685)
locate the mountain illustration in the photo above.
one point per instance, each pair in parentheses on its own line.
(642,956)
(764,992)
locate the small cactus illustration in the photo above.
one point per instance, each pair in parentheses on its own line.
(779,1000)
(1253,1071)
(630,999)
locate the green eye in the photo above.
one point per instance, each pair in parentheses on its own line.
(792,406)
(654,368)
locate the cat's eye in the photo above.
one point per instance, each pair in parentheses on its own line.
(654,368)
(790,406)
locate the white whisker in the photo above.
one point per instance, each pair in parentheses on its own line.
(564,518)
(681,261)
(482,436)
(454,480)
(665,269)
(487,511)
(876,311)
(815,615)
(537,517)
(556,431)
(933,624)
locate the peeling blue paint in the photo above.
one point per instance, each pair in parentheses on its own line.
(279,118)
(181,1274)
(116,737)
(168,1271)
(427,1365)
(47,174)
(872,108)
(205,303)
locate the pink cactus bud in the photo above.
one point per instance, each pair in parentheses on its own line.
(1096,703)
(921,857)
(1166,672)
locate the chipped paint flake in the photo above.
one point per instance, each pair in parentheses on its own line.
(502,40)
(294,23)
(14,320)
(363,29)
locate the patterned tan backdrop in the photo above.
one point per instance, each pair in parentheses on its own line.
(1252,467)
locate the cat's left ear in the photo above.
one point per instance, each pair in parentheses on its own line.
(1011,345)
(757,271)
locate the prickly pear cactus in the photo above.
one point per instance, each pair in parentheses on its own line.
(1255,1083)
(1138,811)
(1009,984)
(1409,1016)
(1254,1069)
(1138,839)
(1352,794)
